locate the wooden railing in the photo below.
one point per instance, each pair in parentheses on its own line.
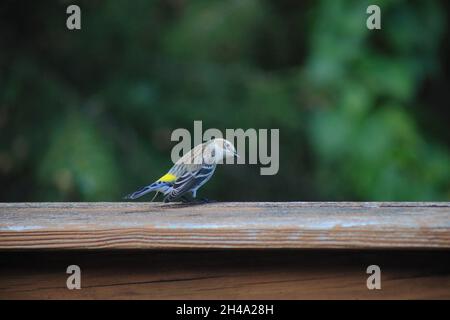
(320,225)
(121,250)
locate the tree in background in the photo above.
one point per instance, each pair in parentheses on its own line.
(87,115)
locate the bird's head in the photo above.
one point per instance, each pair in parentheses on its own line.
(217,150)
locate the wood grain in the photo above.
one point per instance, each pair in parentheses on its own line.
(226,274)
(320,225)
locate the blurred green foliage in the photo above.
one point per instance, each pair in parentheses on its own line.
(363,115)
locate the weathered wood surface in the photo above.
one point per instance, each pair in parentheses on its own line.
(224,225)
(226,274)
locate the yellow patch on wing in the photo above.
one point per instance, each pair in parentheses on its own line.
(168,177)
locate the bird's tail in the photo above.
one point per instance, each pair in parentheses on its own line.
(142,191)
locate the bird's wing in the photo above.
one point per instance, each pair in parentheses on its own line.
(191,180)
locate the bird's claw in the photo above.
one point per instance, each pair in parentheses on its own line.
(206,200)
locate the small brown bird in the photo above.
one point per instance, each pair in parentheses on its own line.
(190,172)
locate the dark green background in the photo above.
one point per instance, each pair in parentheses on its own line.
(363,115)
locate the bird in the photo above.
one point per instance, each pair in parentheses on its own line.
(190,172)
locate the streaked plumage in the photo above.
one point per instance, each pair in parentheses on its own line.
(190,172)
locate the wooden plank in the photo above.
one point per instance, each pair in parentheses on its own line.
(226,274)
(224,225)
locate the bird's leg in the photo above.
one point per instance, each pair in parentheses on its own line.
(154,197)
(198,201)
(202,200)
(190,197)
(185,198)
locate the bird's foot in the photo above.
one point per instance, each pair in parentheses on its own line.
(194,201)
(206,200)
(185,200)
